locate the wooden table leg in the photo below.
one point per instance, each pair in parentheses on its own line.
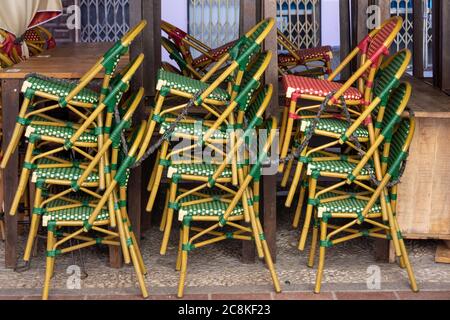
(382,250)
(10,106)
(270,212)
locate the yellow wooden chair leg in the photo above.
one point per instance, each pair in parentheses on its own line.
(268,259)
(122,236)
(155,167)
(138,254)
(23,179)
(298,210)
(180,249)
(2,231)
(295,182)
(308,215)
(288,133)
(169,219)
(158,175)
(323,237)
(15,140)
(138,270)
(162,225)
(409,270)
(184,258)
(50,263)
(284,119)
(312,252)
(34,225)
(287,172)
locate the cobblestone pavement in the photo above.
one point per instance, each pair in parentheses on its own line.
(218,269)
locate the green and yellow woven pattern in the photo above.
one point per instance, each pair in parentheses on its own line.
(338,166)
(62,133)
(203,169)
(60,88)
(351,205)
(214,208)
(334,126)
(190,86)
(71,174)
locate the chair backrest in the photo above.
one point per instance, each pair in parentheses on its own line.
(108,62)
(386,80)
(400,145)
(254,113)
(372,49)
(271,125)
(391,116)
(184,41)
(176,55)
(244,96)
(111,100)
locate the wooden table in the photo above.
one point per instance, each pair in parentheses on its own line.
(69,61)
(424,196)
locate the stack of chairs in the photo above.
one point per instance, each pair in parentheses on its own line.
(80,149)
(315,62)
(350,180)
(188,46)
(217,115)
(37,39)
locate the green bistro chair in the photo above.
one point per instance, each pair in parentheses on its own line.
(207,171)
(364,215)
(387,79)
(76,97)
(346,168)
(81,141)
(239,96)
(221,211)
(86,212)
(175,54)
(356,91)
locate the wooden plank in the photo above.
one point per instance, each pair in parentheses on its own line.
(443,252)
(424,204)
(69,61)
(345,34)
(418,39)
(10,106)
(427,101)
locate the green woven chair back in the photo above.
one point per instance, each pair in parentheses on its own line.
(399,147)
(397,102)
(175,54)
(389,74)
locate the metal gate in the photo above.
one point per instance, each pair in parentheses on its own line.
(404,8)
(299,20)
(214,22)
(103,20)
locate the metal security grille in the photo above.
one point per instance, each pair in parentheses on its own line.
(404,8)
(299,20)
(214,22)
(103,20)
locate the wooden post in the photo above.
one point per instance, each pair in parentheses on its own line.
(249,15)
(441,45)
(10,100)
(418,39)
(270,182)
(345,34)
(149,43)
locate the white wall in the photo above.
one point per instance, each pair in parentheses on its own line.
(175,12)
(330,23)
